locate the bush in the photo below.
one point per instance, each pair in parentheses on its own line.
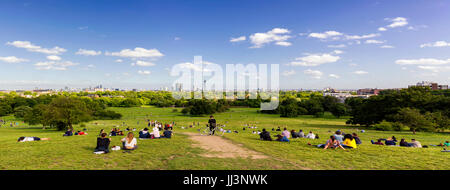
(107,114)
(384,126)
(175,110)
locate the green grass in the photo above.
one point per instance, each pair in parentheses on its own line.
(74,153)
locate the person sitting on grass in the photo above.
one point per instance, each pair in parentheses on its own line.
(68,133)
(167,133)
(129,142)
(103,144)
(265,135)
(349,141)
(332,143)
(415,144)
(391,141)
(101,132)
(286,133)
(404,143)
(278,129)
(357,140)
(447,144)
(338,136)
(282,138)
(301,134)
(378,142)
(113,132)
(144,134)
(80,133)
(156,132)
(26,139)
(310,135)
(294,134)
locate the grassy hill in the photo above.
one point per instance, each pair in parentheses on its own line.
(75,153)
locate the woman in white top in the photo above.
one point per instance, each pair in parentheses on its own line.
(129,142)
(156,132)
(25,139)
(310,135)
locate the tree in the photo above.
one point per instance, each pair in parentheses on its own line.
(289,108)
(21,111)
(64,112)
(338,110)
(414,120)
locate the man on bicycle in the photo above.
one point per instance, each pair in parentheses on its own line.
(212,124)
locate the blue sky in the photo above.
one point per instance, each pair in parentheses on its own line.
(342,44)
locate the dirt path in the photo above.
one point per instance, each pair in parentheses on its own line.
(222,148)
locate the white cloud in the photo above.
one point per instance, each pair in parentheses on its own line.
(374,42)
(337,52)
(54,58)
(334,76)
(238,39)
(54,65)
(395,22)
(325,35)
(313,73)
(360,72)
(436,44)
(337,46)
(434,69)
(91,66)
(137,53)
(143,63)
(144,72)
(88,52)
(275,35)
(288,73)
(315,60)
(34,48)
(387,47)
(423,61)
(177,38)
(119,61)
(12,59)
(283,43)
(358,37)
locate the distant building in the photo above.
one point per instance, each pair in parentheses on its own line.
(368,91)
(342,96)
(432,85)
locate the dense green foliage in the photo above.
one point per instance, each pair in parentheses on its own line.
(418,108)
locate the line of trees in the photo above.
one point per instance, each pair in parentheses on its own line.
(415,108)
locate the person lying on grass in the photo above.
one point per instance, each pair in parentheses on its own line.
(404,143)
(333,143)
(378,142)
(80,133)
(68,133)
(25,139)
(349,141)
(103,143)
(282,138)
(129,142)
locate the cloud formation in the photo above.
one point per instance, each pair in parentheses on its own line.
(315,60)
(12,59)
(88,52)
(138,52)
(277,35)
(35,48)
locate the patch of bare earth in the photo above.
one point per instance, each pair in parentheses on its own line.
(222,148)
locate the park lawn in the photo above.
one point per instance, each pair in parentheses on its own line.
(178,153)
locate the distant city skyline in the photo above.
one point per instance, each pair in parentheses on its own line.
(133,44)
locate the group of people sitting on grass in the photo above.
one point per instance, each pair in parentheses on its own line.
(341,140)
(128,143)
(70,132)
(155,134)
(393,142)
(286,135)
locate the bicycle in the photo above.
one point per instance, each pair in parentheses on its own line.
(218,130)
